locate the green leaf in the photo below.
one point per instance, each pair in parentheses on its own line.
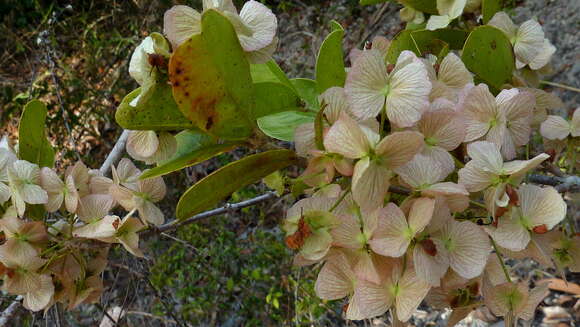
(454,37)
(306,89)
(426,6)
(281,126)
(489,8)
(402,41)
(193,147)
(272,98)
(270,72)
(158,111)
(223,182)
(330,62)
(211,80)
(488,53)
(319,129)
(33,145)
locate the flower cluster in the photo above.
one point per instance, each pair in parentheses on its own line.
(411,125)
(60,257)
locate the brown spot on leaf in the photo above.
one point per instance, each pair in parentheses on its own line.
(493,44)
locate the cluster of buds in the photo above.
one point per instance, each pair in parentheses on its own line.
(410,125)
(59,257)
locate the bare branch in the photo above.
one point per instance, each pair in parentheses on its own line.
(561,184)
(10,311)
(115,154)
(210,213)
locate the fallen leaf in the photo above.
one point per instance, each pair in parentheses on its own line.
(556,284)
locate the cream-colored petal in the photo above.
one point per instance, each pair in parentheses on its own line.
(337,101)
(502,21)
(555,128)
(370,184)
(419,172)
(436,22)
(421,214)
(439,159)
(510,232)
(399,148)
(142,144)
(34,194)
(474,178)
(428,267)
(408,95)
(392,235)
(346,137)
(154,188)
(180,23)
(40,298)
(365,84)
(374,299)
(151,213)
(529,41)
(468,247)
(304,139)
(541,206)
(348,233)
(575,124)
(262,23)
(412,291)
(101,229)
(479,110)
(486,156)
(94,206)
(544,56)
(453,72)
(336,279)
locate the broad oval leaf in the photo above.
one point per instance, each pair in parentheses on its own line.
(306,89)
(454,37)
(330,61)
(33,146)
(489,8)
(272,98)
(488,53)
(157,112)
(401,42)
(270,72)
(426,6)
(211,80)
(223,182)
(193,147)
(281,125)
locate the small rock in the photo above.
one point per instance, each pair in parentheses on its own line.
(555,315)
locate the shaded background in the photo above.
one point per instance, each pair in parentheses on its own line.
(232,270)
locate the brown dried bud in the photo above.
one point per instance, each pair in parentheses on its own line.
(513,195)
(542,229)
(296,240)
(390,68)
(429,247)
(157,60)
(368,45)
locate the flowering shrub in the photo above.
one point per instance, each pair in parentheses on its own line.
(417,157)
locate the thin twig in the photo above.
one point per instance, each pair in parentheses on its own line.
(562,86)
(115,154)
(10,311)
(210,213)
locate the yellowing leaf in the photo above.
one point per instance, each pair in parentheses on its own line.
(158,111)
(211,80)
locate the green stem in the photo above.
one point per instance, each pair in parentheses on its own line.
(335,205)
(383,120)
(481,205)
(563,86)
(458,162)
(498,254)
